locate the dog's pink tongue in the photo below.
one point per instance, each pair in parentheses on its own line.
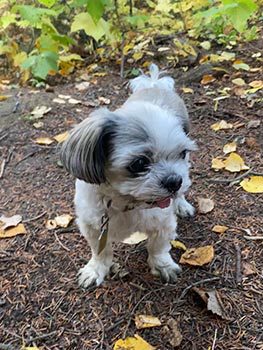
(164,203)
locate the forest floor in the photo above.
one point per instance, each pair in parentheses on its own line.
(41,303)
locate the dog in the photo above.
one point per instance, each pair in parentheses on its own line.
(132,169)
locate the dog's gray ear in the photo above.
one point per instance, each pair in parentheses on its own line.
(85,153)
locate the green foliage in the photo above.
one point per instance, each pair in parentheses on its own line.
(50,28)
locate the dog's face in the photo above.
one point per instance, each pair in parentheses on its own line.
(140,151)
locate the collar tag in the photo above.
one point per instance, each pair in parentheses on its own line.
(104,228)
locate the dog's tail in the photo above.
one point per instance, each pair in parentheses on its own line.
(154,80)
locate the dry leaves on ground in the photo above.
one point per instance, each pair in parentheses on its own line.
(212,300)
(198,256)
(146,321)
(11,226)
(132,343)
(220,228)
(172,333)
(59,221)
(178,244)
(221,125)
(253,184)
(205,205)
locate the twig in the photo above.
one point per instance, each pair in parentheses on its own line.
(27,156)
(214,340)
(122,56)
(35,217)
(42,336)
(254,238)
(250,171)
(185,291)
(238,264)
(2,168)
(62,245)
(2,137)
(102,330)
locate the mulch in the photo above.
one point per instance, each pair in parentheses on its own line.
(41,303)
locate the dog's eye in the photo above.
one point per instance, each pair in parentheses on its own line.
(139,165)
(183,154)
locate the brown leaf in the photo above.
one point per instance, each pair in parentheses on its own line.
(219,229)
(248,269)
(205,205)
(198,256)
(44,141)
(207,79)
(172,333)
(14,231)
(252,124)
(212,300)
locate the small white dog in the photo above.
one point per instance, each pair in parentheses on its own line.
(132,170)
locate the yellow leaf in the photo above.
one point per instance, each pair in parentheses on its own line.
(221,125)
(198,256)
(234,163)
(44,141)
(3,98)
(137,56)
(132,343)
(63,220)
(206,45)
(239,64)
(100,74)
(227,56)
(61,137)
(239,82)
(187,90)
(256,84)
(29,348)
(218,163)
(254,184)
(14,231)
(207,79)
(229,147)
(19,58)
(219,228)
(178,244)
(146,321)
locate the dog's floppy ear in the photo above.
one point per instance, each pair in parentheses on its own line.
(86,151)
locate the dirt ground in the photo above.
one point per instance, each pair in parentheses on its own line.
(41,303)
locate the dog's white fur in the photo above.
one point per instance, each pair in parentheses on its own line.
(153,121)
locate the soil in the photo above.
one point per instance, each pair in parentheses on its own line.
(42,305)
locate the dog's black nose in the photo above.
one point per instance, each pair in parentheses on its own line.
(172,183)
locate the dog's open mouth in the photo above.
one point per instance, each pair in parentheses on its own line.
(161,203)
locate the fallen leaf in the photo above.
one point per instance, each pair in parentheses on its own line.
(212,300)
(229,147)
(3,98)
(135,238)
(187,90)
(207,79)
(103,100)
(172,333)
(6,222)
(29,348)
(239,64)
(219,229)
(14,231)
(132,343)
(198,256)
(73,101)
(221,125)
(227,56)
(205,205)
(38,125)
(256,84)
(64,97)
(82,86)
(137,56)
(44,141)
(217,164)
(248,269)
(146,321)
(253,124)
(239,82)
(253,184)
(234,163)
(61,137)
(39,111)
(206,45)
(59,100)
(252,143)
(63,220)
(178,244)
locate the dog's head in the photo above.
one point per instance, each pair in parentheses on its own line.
(140,151)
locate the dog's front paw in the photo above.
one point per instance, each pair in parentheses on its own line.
(92,274)
(183,208)
(163,265)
